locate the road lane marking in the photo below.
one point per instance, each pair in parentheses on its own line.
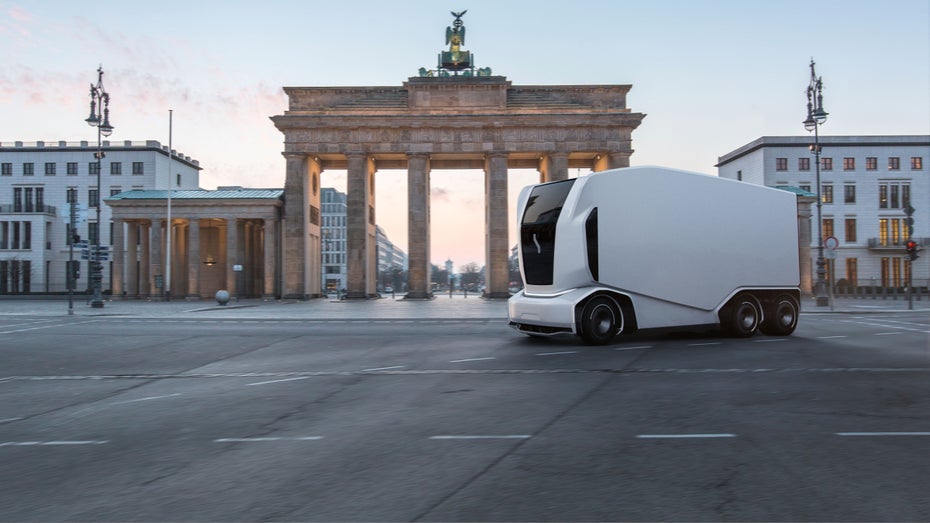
(47,327)
(866,434)
(480,436)
(704,344)
(267,438)
(684,436)
(557,353)
(277,381)
(7,420)
(634,348)
(384,368)
(470,359)
(887,333)
(146,399)
(51,443)
(830,337)
(771,340)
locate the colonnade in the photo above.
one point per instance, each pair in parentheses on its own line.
(207,254)
(302,246)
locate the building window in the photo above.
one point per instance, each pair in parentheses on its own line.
(50,168)
(850,230)
(827,227)
(894,163)
(92,233)
(826,164)
(891,231)
(804,164)
(115,190)
(871,163)
(178,180)
(826,193)
(17,199)
(849,164)
(93,197)
(805,187)
(93,168)
(138,168)
(781,164)
(6,169)
(849,193)
(72,168)
(116,168)
(28,169)
(917,163)
(71,195)
(852,272)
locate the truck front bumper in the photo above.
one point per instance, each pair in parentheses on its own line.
(545,315)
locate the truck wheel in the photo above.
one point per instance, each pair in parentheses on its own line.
(781,317)
(741,318)
(599,321)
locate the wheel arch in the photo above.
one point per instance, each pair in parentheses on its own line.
(764,296)
(621,301)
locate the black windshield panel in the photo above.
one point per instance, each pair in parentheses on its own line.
(537,230)
(545,202)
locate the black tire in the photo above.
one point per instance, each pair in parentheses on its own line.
(600,320)
(741,317)
(781,317)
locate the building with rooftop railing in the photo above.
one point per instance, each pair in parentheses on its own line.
(38,182)
(867,184)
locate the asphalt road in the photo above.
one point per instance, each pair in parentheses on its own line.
(172,419)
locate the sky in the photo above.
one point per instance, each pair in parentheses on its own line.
(710,76)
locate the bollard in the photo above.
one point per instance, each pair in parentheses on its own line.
(222,297)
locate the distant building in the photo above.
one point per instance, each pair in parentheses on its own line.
(866,183)
(391,259)
(38,180)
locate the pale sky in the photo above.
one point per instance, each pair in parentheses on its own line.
(710,76)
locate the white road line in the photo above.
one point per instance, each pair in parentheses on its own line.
(7,420)
(830,337)
(770,340)
(887,333)
(384,368)
(866,434)
(470,359)
(471,437)
(277,381)
(634,348)
(146,399)
(704,344)
(48,327)
(51,443)
(684,436)
(557,353)
(263,439)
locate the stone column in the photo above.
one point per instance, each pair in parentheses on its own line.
(496,269)
(295,249)
(145,259)
(269,241)
(553,167)
(131,261)
(359,227)
(117,249)
(418,227)
(314,231)
(193,259)
(618,160)
(155,260)
(232,256)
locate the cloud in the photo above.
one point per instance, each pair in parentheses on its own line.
(439,194)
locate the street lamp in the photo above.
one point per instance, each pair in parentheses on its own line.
(816,116)
(99,118)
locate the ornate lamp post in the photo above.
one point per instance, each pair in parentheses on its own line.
(99,118)
(816,116)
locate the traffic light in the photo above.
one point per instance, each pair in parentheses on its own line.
(75,270)
(912,249)
(909,221)
(75,237)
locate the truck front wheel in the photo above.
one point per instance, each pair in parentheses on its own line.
(600,320)
(741,318)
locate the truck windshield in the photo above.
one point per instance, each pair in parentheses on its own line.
(537,230)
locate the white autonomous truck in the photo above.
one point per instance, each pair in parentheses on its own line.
(652,247)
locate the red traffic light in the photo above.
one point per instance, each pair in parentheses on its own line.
(911,245)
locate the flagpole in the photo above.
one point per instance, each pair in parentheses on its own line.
(169,228)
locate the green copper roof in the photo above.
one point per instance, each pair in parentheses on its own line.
(201,194)
(796,190)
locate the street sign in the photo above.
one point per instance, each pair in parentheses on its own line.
(831,243)
(830,254)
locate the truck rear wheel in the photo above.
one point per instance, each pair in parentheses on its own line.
(781,317)
(742,316)
(600,320)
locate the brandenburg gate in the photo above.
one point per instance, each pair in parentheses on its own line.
(453,117)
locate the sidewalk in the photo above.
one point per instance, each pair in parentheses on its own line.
(441,307)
